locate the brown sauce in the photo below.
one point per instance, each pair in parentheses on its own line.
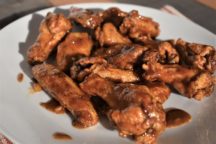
(53,106)
(177,117)
(20,77)
(61,136)
(35,88)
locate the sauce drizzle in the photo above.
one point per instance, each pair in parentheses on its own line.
(61,136)
(176,117)
(20,77)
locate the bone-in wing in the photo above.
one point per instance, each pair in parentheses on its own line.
(197,55)
(110,72)
(124,56)
(139,27)
(75,44)
(52,30)
(67,93)
(108,35)
(134,110)
(190,82)
(92,19)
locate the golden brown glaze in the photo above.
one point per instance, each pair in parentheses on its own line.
(52,30)
(103,35)
(190,82)
(134,109)
(75,44)
(197,55)
(67,93)
(139,27)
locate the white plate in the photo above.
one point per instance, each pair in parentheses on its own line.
(24,121)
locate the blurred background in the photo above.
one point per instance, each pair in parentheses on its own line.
(202,12)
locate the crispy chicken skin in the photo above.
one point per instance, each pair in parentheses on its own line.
(197,55)
(190,82)
(108,35)
(114,15)
(75,44)
(92,19)
(168,54)
(52,29)
(110,72)
(124,56)
(86,18)
(114,74)
(139,27)
(67,93)
(134,110)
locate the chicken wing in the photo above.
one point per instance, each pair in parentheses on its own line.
(108,35)
(67,93)
(110,72)
(190,82)
(86,18)
(139,27)
(92,19)
(75,44)
(124,56)
(197,55)
(134,109)
(52,29)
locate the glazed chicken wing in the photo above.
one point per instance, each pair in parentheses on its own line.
(67,93)
(52,30)
(190,82)
(108,35)
(75,44)
(92,19)
(124,56)
(139,27)
(110,72)
(197,55)
(86,18)
(134,110)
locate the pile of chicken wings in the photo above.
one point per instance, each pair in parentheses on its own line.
(115,56)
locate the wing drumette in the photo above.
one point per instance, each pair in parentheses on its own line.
(75,44)
(108,35)
(139,27)
(188,81)
(52,30)
(67,93)
(197,55)
(135,110)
